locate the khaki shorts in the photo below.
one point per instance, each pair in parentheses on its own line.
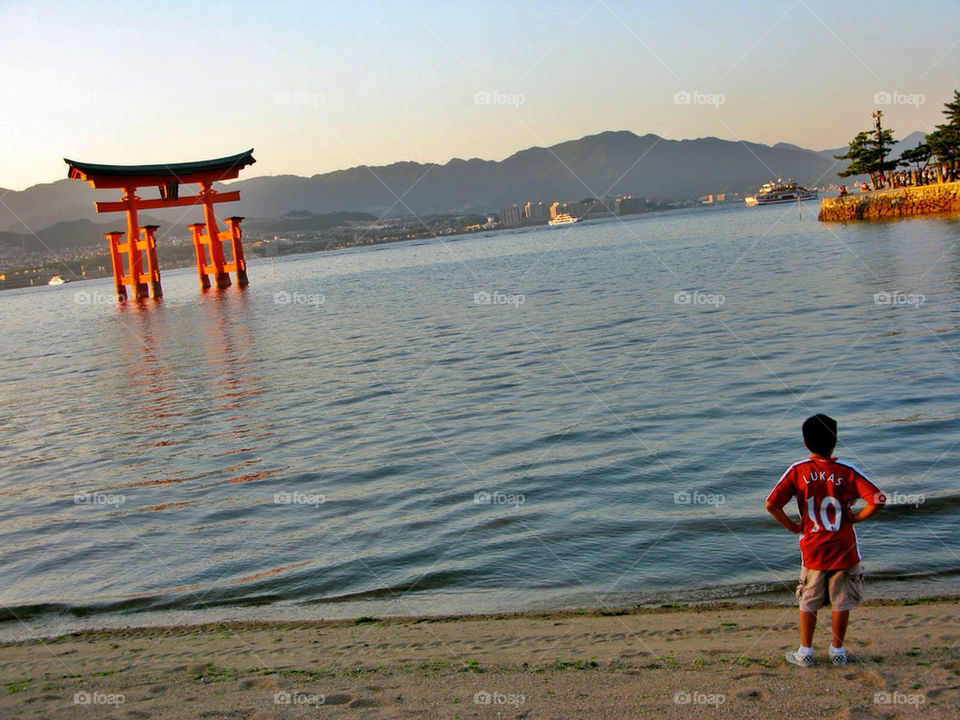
(845,588)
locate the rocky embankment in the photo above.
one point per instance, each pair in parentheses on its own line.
(922,200)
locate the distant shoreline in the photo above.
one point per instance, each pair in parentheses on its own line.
(101,256)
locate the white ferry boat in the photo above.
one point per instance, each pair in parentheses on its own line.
(56,280)
(563,219)
(780,192)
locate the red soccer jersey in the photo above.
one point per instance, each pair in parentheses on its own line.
(824,489)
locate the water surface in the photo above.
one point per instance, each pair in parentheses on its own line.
(322,444)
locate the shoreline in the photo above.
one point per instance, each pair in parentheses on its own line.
(66,620)
(935,199)
(555,614)
(722,660)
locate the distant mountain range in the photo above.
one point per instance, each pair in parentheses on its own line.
(610,163)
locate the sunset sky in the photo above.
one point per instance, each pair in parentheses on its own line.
(316,87)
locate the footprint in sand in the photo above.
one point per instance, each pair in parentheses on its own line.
(337,699)
(745,675)
(860,713)
(871,677)
(261,683)
(754,694)
(361,702)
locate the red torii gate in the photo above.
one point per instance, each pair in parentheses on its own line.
(168,179)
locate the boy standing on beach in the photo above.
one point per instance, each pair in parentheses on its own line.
(825,489)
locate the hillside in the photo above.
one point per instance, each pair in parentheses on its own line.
(609,163)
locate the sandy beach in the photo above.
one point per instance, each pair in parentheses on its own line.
(706,662)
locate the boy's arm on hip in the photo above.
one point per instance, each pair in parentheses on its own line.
(781,517)
(866,511)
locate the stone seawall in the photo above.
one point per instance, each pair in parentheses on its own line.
(922,200)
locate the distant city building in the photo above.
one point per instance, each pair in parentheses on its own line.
(587,209)
(535,214)
(511,216)
(628,205)
(539,213)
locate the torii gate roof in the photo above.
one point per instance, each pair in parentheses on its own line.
(118,176)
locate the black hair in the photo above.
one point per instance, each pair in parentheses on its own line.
(820,434)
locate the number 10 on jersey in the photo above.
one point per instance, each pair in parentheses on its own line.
(825,523)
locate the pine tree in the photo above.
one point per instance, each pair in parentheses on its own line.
(867,154)
(945,140)
(919,156)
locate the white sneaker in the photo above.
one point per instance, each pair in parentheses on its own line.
(838,658)
(802,660)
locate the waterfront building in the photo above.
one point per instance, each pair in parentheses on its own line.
(535,214)
(511,216)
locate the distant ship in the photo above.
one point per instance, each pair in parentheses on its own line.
(563,219)
(780,192)
(56,280)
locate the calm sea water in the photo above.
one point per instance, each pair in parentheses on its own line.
(355,434)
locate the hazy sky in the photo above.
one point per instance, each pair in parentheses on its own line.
(322,86)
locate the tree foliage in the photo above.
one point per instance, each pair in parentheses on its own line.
(919,156)
(944,142)
(867,153)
